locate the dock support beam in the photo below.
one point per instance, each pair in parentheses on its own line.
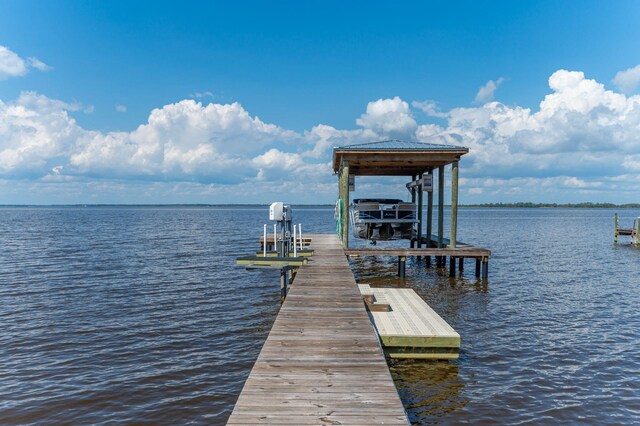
(440,204)
(615,228)
(478,263)
(284,279)
(430,211)
(485,268)
(452,267)
(420,202)
(402,264)
(344,196)
(461,264)
(454,204)
(413,200)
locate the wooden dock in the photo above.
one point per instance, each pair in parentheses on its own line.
(634,232)
(410,328)
(458,253)
(322,362)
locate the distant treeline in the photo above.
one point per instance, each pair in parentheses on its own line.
(324,206)
(556,205)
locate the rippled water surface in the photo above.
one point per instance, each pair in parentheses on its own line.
(132,314)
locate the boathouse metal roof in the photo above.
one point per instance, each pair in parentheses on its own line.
(395,157)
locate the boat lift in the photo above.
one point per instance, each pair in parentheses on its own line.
(284,251)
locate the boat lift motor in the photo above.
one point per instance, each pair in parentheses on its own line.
(284,216)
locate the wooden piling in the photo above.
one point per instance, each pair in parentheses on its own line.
(615,228)
(402,264)
(461,264)
(485,268)
(452,267)
(284,279)
(454,204)
(440,204)
(420,202)
(413,200)
(344,196)
(430,210)
(478,263)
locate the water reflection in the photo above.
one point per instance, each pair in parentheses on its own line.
(429,389)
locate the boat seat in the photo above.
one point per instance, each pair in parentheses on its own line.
(407,206)
(368,206)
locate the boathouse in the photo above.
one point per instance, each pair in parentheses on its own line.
(417,161)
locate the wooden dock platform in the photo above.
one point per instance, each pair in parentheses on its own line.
(322,362)
(410,328)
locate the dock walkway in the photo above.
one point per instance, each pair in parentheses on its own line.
(321,363)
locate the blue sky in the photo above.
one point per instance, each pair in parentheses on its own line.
(216,102)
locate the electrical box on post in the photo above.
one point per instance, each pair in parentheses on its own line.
(276,211)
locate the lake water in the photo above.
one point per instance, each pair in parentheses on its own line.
(139,315)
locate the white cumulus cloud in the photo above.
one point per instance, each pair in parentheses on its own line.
(388,118)
(487,92)
(581,139)
(12,65)
(580,127)
(430,108)
(628,80)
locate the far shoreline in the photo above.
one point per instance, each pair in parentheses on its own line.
(586,205)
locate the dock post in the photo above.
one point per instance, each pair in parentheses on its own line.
(430,210)
(454,204)
(344,196)
(461,264)
(413,200)
(615,228)
(440,204)
(442,260)
(637,237)
(420,202)
(485,268)
(402,262)
(283,284)
(427,262)
(452,267)
(478,262)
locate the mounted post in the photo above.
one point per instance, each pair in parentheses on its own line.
(420,202)
(440,204)
(413,200)
(344,196)
(454,204)
(485,268)
(402,264)
(615,228)
(430,210)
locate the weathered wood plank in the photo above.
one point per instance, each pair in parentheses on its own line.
(322,362)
